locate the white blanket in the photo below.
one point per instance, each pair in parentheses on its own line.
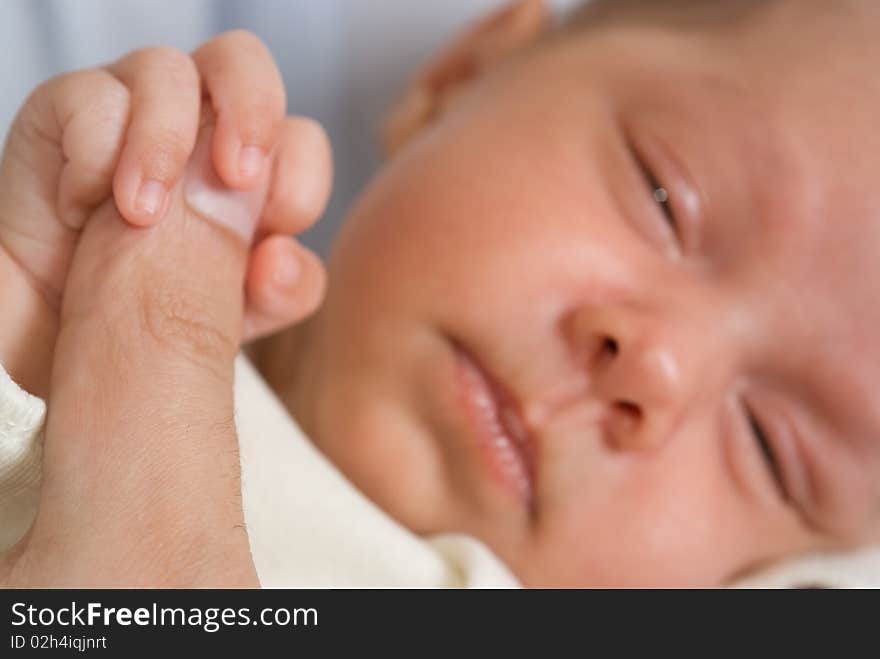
(309,527)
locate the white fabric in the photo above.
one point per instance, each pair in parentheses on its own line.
(309,527)
(857,569)
(21,434)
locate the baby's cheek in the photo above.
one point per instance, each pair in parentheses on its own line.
(236,210)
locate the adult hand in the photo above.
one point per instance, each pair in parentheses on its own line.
(141,477)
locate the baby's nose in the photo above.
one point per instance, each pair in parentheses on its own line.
(646,398)
(638,367)
(236,210)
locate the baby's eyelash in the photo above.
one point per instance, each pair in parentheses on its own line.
(765,445)
(661,196)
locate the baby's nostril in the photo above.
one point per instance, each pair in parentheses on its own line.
(622,425)
(629,410)
(611,347)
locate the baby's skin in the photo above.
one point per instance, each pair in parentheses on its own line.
(126,131)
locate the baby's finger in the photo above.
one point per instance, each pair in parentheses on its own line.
(301,180)
(247,93)
(285,284)
(165,106)
(92,109)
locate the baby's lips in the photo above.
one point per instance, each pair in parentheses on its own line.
(204,192)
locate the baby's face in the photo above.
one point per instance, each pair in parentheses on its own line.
(615,313)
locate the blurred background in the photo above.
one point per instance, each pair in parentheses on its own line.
(343,61)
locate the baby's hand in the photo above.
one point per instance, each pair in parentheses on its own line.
(127,131)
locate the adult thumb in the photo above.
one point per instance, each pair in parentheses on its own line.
(177,287)
(141,453)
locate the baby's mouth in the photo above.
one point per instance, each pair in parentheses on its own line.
(503,440)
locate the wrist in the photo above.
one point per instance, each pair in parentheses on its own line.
(28,329)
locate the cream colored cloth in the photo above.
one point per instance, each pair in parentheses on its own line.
(309,527)
(21,450)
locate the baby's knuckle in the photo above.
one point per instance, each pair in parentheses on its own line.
(171,62)
(63,86)
(92,84)
(317,288)
(176,320)
(166,149)
(241,39)
(90,97)
(175,141)
(309,200)
(109,104)
(110,95)
(258,120)
(302,204)
(37,104)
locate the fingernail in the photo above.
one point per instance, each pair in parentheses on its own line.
(250,161)
(150,197)
(285,276)
(238,210)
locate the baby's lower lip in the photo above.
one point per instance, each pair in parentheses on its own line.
(501,440)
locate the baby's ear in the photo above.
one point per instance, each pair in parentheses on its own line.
(518,24)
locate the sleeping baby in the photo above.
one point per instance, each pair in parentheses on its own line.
(605,318)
